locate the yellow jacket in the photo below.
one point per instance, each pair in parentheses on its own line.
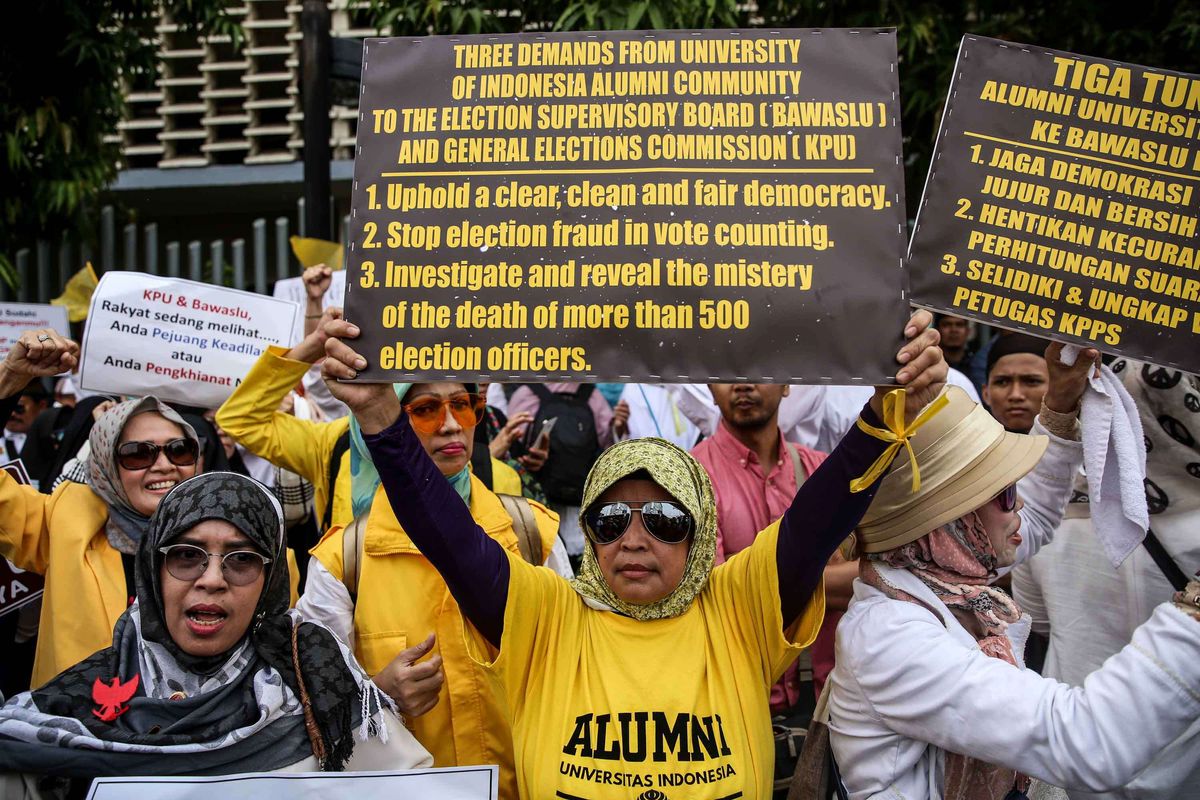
(402,599)
(61,536)
(252,418)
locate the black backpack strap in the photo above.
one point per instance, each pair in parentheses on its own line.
(335,464)
(539,389)
(481,465)
(585,391)
(1174,575)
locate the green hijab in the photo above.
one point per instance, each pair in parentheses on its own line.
(681,475)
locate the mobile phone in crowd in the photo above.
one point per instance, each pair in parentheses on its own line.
(542,441)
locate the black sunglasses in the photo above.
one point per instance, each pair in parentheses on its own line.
(665,520)
(142,455)
(1007,499)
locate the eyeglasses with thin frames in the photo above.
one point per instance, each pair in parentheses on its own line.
(187,562)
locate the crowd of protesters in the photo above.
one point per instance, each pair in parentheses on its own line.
(610,591)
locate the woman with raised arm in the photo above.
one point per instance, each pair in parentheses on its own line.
(651,671)
(930,696)
(84,536)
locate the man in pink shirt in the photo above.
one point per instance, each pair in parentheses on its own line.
(754,474)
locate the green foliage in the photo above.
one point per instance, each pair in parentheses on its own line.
(60,95)
(1160,33)
(62,61)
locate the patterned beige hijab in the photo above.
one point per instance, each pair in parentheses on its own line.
(125,526)
(681,475)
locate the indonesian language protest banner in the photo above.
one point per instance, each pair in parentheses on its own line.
(445,783)
(180,340)
(18,317)
(676,206)
(1063,201)
(17,587)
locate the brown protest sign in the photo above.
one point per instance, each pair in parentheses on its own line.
(682,206)
(17,587)
(1062,201)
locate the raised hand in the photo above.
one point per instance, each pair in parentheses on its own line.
(311,348)
(535,457)
(513,429)
(923,368)
(316,282)
(102,409)
(374,405)
(36,354)
(1067,383)
(620,423)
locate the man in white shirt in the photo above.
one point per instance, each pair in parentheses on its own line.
(647,409)
(1088,609)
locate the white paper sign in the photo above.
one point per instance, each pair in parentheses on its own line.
(179,340)
(18,317)
(292,290)
(448,783)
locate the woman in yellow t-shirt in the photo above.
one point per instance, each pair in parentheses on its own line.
(649,675)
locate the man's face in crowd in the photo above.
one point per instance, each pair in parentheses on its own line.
(24,414)
(748,406)
(1015,388)
(954,331)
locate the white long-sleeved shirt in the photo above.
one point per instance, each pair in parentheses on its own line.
(908,686)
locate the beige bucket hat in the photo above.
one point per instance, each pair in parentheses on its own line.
(966,458)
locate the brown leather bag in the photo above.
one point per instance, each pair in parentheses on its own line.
(816,776)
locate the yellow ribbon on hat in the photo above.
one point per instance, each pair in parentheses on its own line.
(898,435)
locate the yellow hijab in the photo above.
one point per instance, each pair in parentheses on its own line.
(681,475)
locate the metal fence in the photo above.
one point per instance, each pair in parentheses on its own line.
(252,263)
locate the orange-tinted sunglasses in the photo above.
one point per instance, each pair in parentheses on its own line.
(428,414)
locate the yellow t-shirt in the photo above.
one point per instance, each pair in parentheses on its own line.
(604,706)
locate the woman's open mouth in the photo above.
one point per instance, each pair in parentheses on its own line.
(205,620)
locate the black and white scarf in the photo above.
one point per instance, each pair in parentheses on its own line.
(235,712)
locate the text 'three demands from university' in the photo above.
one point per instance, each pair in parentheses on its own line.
(682,206)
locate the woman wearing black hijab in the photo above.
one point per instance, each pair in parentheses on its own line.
(208,664)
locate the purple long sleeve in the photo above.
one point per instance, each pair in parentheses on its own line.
(475,567)
(822,515)
(473,564)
